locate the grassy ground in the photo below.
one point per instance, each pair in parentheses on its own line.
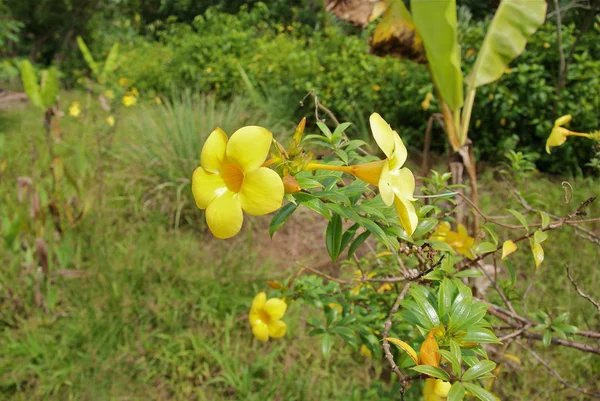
(141,304)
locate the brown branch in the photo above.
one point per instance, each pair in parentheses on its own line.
(386,345)
(556,374)
(579,291)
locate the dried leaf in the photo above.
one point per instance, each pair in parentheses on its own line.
(396,34)
(357,12)
(41,254)
(404,346)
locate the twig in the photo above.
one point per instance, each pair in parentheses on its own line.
(386,345)
(555,373)
(579,291)
(324,275)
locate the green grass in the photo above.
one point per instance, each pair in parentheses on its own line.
(160,313)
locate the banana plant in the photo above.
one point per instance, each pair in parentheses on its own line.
(44,94)
(429,31)
(110,63)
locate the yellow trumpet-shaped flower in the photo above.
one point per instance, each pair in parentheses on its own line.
(559,135)
(396,183)
(459,240)
(75,109)
(265,317)
(230,179)
(436,390)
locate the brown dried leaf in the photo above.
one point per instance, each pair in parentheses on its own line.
(24,185)
(41,254)
(396,35)
(357,12)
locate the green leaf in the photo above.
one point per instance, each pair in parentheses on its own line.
(468,273)
(87,56)
(452,359)
(455,350)
(457,392)
(424,226)
(432,371)
(519,217)
(419,295)
(460,310)
(445,296)
(110,64)
(357,243)
(478,392)
(30,84)
(325,130)
(340,129)
(511,270)
(480,335)
(333,237)
(545,219)
(326,345)
(348,236)
(513,24)
(478,370)
(547,338)
(49,88)
(281,217)
(540,236)
(485,247)
(437,25)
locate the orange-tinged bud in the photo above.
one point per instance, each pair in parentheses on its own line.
(290,185)
(368,172)
(428,354)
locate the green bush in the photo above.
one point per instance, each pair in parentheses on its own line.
(284,62)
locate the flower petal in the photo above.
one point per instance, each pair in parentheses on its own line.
(206,187)
(248,147)
(258,303)
(400,153)
(213,151)
(385,185)
(261,192)
(403,183)
(261,331)
(277,329)
(275,308)
(224,215)
(383,134)
(407,214)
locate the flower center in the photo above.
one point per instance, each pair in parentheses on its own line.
(233,176)
(264,316)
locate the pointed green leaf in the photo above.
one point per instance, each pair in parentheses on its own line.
(513,24)
(437,25)
(358,242)
(478,370)
(333,237)
(432,371)
(479,392)
(30,83)
(87,56)
(519,217)
(110,64)
(49,89)
(281,217)
(457,392)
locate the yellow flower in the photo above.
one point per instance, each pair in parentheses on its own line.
(134,92)
(396,184)
(559,135)
(109,94)
(376,88)
(124,82)
(230,179)
(427,101)
(110,120)
(365,351)
(459,240)
(157,100)
(265,317)
(435,390)
(546,45)
(75,109)
(129,100)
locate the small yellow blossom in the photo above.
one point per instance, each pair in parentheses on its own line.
(477,123)
(459,240)
(546,45)
(109,94)
(503,122)
(376,88)
(129,100)
(265,317)
(124,82)
(436,390)
(134,92)
(491,96)
(365,351)
(231,179)
(110,120)
(157,100)
(426,103)
(559,135)
(396,184)
(75,109)
(385,287)
(470,52)
(335,306)
(209,70)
